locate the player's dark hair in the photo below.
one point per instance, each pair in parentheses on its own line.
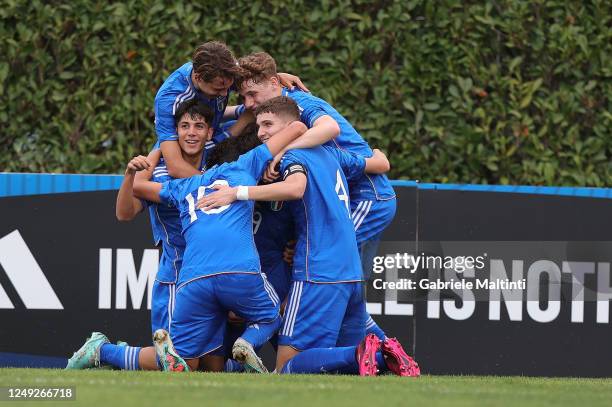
(280,106)
(230,149)
(214,59)
(194,108)
(256,67)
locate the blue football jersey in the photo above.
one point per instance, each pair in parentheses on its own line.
(167,229)
(273,228)
(326,249)
(176,89)
(219,240)
(367,187)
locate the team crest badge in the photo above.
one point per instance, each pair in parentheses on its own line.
(221,104)
(276,205)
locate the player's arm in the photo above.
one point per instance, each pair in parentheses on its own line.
(147,190)
(290,81)
(324,129)
(292,188)
(243,121)
(233,112)
(127,207)
(283,138)
(177,166)
(147,174)
(378,163)
(165,128)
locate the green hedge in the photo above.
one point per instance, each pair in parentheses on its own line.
(499,91)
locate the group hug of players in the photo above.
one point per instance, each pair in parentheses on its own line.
(269,214)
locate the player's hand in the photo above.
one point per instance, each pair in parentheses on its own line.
(378,153)
(138,163)
(224,195)
(289,252)
(291,81)
(272,173)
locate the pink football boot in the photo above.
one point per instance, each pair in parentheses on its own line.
(366,355)
(397,359)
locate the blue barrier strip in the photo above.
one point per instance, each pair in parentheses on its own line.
(25,360)
(16,184)
(35,184)
(520,189)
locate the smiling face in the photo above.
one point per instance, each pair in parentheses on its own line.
(193,133)
(270,124)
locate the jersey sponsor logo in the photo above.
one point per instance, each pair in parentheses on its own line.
(25,275)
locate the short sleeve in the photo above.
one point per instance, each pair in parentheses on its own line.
(168,191)
(290,158)
(310,112)
(353,165)
(254,162)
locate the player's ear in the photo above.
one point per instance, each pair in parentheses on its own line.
(210,133)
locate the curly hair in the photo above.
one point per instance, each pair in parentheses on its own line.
(256,67)
(214,59)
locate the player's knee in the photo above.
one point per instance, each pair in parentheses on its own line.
(193,364)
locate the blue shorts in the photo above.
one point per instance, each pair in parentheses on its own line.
(371,218)
(200,314)
(278,275)
(323,315)
(162,305)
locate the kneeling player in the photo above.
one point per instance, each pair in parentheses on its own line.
(213,279)
(325,315)
(192,124)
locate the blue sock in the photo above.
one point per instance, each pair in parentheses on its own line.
(323,360)
(123,357)
(260,333)
(373,328)
(232,366)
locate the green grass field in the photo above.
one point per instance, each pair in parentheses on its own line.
(120,388)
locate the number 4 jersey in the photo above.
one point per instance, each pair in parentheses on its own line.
(326,250)
(219,240)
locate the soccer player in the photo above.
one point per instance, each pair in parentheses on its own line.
(272,229)
(272,221)
(192,126)
(372,199)
(325,315)
(208,77)
(221,270)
